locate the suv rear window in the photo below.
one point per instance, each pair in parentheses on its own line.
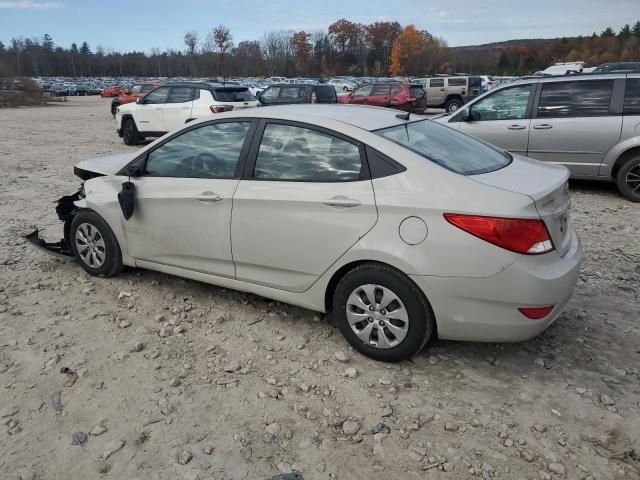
(416,90)
(447,147)
(586,98)
(240,94)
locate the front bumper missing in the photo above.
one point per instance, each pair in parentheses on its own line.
(58,249)
(66,210)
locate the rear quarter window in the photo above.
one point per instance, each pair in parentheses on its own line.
(632,96)
(233,95)
(446,147)
(457,82)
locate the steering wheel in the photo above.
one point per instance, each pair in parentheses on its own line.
(206,164)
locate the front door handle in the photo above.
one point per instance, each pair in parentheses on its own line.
(208,197)
(543,126)
(516,127)
(342,201)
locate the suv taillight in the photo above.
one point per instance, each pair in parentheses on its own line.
(220,108)
(528,237)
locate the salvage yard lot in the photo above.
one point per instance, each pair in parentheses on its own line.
(179,379)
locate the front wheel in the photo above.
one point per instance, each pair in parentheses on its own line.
(130,135)
(382,313)
(452,105)
(628,179)
(94,245)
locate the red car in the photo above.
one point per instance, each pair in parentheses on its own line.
(403,96)
(138,90)
(111,91)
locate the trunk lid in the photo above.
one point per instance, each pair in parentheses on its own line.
(546,185)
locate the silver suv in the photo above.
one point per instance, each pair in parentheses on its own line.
(450,93)
(588,123)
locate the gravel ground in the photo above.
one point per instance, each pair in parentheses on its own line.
(181,380)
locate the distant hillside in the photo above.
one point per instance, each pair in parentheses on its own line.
(524,42)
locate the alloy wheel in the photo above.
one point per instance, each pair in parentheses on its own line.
(90,245)
(633,179)
(377,316)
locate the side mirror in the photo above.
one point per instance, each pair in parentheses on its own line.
(259,94)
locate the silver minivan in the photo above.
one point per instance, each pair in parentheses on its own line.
(588,123)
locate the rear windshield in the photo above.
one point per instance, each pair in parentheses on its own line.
(416,90)
(447,147)
(233,95)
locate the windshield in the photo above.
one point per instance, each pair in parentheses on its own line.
(233,95)
(447,147)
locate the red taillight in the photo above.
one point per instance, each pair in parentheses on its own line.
(529,237)
(536,313)
(220,108)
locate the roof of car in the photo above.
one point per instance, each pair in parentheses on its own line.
(361,116)
(295,85)
(203,85)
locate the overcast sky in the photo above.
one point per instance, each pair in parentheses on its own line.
(144,24)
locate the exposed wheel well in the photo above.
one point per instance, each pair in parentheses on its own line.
(623,158)
(453,97)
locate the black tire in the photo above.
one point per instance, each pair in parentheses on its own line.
(130,135)
(421,321)
(114,107)
(108,249)
(628,179)
(452,105)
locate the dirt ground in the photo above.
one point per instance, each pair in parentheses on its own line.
(240,387)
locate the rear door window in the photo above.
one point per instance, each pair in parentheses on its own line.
(180,95)
(241,94)
(395,89)
(457,82)
(632,96)
(292,153)
(586,98)
(381,89)
(291,94)
(436,82)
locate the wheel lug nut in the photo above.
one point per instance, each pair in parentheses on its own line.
(383,312)
(370,319)
(371,308)
(381,323)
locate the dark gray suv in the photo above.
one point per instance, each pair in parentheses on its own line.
(588,123)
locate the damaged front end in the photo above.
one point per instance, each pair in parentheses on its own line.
(66,210)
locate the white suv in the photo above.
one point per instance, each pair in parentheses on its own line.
(171,105)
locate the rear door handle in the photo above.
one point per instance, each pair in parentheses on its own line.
(208,197)
(543,126)
(342,201)
(516,127)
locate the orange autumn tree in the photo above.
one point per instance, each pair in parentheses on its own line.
(416,52)
(302,50)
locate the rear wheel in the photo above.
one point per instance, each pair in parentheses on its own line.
(452,105)
(628,179)
(94,244)
(130,135)
(382,313)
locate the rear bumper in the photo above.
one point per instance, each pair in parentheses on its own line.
(486,309)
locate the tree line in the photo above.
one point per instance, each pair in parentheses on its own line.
(346,48)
